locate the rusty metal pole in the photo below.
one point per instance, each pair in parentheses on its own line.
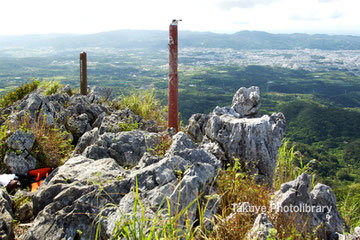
(83,73)
(173,109)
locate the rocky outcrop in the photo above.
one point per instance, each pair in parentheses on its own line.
(6,220)
(76,196)
(315,211)
(246,101)
(233,134)
(127,148)
(113,165)
(18,158)
(21,141)
(98,94)
(262,229)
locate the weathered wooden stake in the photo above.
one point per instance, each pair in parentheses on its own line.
(173,109)
(83,73)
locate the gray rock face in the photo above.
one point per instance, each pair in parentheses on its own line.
(72,196)
(194,182)
(246,101)
(261,229)
(18,158)
(6,220)
(322,195)
(86,186)
(80,104)
(127,148)
(318,207)
(24,209)
(254,141)
(197,124)
(78,125)
(184,147)
(120,120)
(99,93)
(21,141)
(86,140)
(230,133)
(114,122)
(19,164)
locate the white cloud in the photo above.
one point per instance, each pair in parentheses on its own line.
(230,4)
(89,16)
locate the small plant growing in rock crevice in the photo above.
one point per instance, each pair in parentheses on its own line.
(50,87)
(144,104)
(128,125)
(3,148)
(164,143)
(52,145)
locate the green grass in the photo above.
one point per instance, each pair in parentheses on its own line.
(143,103)
(18,94)
(50,87)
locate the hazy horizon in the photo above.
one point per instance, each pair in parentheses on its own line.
(228,33)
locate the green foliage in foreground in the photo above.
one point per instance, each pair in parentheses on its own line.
(143,103)
(18,94)
(50,87)
(138,225)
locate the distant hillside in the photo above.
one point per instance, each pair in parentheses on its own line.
(158,39)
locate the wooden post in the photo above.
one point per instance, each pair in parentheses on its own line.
(83,73)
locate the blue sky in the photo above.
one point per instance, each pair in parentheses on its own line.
(19,17)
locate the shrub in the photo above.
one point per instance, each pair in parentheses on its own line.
(143,103)
(18,93)
(237,187)
(52,145)
(286,168)
(50,87)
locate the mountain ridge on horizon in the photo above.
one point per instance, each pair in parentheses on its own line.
(244,39)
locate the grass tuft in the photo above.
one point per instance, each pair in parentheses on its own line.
(143,103)
(50,87)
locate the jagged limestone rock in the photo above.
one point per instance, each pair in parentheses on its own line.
(23,209)
(21,141)
(86,140)
(184,147)
(255,142)
(73,195)
(98,94)
(246,101)
(126,148)
(262,228)
(20,163)
(115,122)
(78,125)
(314,211)
(197,124)
(235,133)
(86,186)
(225,111)
(6,219)
(323,195)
